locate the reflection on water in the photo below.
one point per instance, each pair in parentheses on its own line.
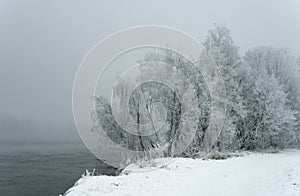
(42,169)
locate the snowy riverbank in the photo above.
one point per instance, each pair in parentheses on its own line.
(253,175)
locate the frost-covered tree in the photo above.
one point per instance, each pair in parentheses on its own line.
(221,47)
(183,76)
(262,90)
(271,119)
(177,81)
(283,66)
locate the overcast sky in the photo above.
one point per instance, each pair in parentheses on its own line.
(43,42)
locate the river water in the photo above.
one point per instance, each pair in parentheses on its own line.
(44,169)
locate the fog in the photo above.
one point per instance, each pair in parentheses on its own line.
(43,42)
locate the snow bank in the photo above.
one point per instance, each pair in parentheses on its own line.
(253,175)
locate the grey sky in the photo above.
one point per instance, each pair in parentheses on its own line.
(43,42)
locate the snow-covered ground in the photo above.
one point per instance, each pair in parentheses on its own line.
(254,174)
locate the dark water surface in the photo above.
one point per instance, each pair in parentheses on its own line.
(44,169)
